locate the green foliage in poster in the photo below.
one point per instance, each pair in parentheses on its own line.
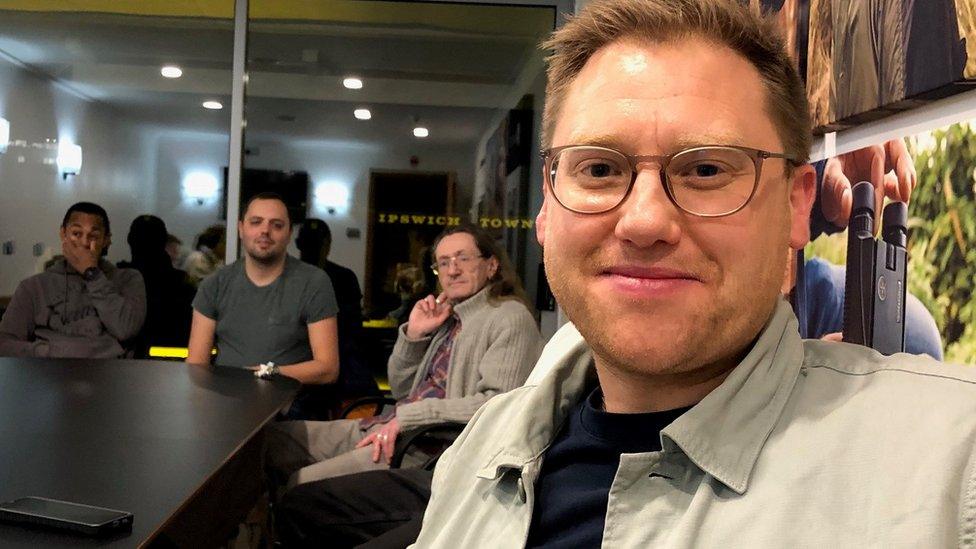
(942,239)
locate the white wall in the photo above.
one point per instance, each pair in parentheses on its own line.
(33,196)
(176,154)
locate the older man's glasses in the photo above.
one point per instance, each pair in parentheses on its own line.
(709,181)
(463,260)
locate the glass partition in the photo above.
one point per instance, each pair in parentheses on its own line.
(113,102)
(392,120)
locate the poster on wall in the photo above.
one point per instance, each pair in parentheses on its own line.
(865,59)
(941,275)
(503,207)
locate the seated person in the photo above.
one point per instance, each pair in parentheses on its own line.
(385,508)
(410,287)
(890,169)
(81,306)
(314,242)
(174,248)
(476,340)
(268,306)
(208,256)
(688,412)
(169,294)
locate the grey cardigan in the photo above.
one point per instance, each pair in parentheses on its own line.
(493,353)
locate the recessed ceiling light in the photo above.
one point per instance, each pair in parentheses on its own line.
(171,71)
(420,131)
(212,105)
(352,83)
(362,114)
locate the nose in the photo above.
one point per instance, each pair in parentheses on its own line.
(648,216)
(452,267)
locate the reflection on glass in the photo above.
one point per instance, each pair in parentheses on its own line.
(406,117)
(103,102)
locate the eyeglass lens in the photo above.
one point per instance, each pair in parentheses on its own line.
(704,180)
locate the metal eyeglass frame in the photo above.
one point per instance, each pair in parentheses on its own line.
(757,156)
(453,259)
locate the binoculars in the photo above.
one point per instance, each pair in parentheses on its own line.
(874,291)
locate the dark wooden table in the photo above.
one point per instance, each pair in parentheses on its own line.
(152,438)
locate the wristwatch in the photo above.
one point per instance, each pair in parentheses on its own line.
(90,273)
(267,370)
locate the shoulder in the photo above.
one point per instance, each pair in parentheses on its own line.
(878,376)
(223,277)
(510,312)
(125,274)
(34,283)
(495,421)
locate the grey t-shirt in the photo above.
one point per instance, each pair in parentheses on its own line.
(261,324)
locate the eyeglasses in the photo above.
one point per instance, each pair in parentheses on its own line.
(707,181)
(462,260)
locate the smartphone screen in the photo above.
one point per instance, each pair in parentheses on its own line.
(63,511)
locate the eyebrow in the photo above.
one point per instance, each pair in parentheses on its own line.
(462,251)
(681,142)
(259,218)
(75,224)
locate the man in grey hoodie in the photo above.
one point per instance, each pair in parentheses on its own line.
(81,306)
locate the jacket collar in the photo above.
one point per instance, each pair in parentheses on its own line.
(472,305)
(723,434)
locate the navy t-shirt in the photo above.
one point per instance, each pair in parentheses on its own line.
(579,467)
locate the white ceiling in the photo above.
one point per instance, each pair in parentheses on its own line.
(453,78)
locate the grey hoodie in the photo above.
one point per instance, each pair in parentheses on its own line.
(59,314)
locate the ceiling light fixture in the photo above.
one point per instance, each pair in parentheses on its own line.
(420,131)
(352,83)
(362,114)
(212,105)
(171,71)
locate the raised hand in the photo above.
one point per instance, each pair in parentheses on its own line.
(80,256)
(427,315)
(873,164)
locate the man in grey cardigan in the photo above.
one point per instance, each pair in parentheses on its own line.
(476,340)
(81,306)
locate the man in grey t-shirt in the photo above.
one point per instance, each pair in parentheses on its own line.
(269,307)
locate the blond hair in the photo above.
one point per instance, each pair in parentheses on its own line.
(724,22)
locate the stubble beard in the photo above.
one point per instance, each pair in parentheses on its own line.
(718,334)
(267,259)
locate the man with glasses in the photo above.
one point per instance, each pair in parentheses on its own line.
(683,409)
(475,340)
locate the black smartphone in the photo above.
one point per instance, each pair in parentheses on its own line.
(64,515)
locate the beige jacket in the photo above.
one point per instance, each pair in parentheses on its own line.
(805,444)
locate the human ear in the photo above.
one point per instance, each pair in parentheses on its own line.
(802,195)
